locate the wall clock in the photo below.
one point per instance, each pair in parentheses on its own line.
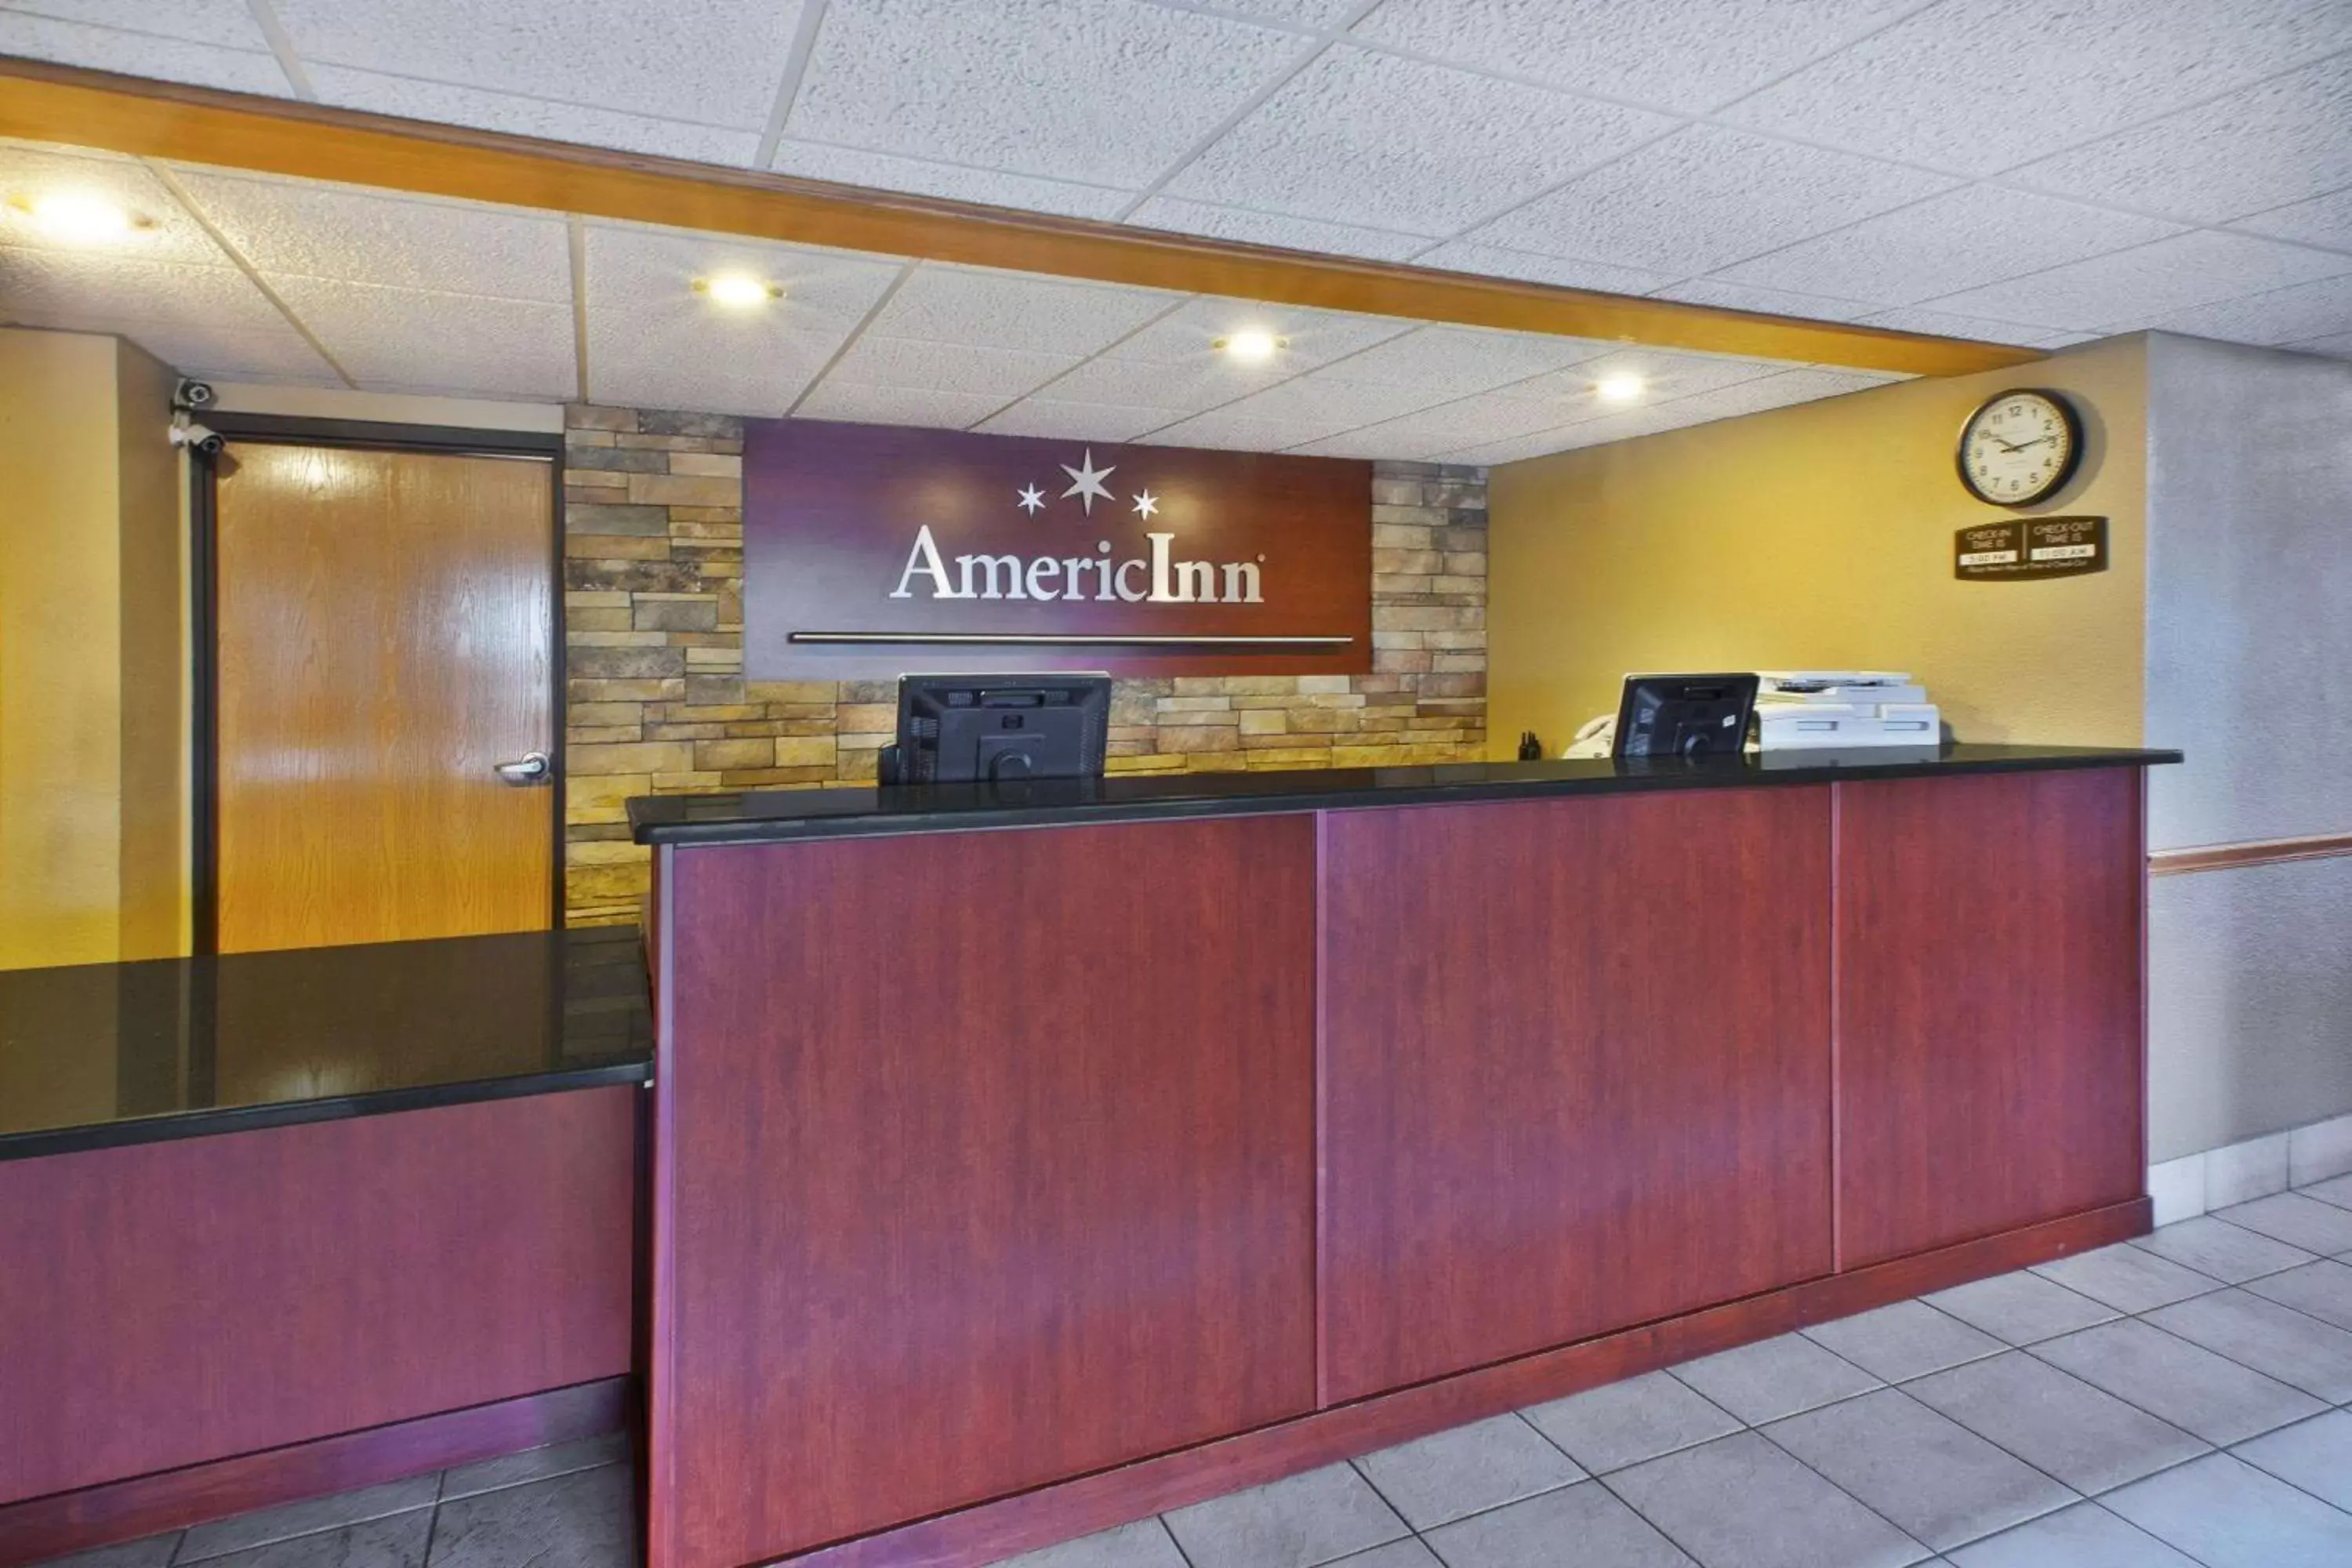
(2020,448)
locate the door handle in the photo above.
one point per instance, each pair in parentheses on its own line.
(531,768)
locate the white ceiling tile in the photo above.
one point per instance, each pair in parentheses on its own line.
(1968,237)
(1000,373)
(1496,261)
(1375,141)
(652,271)
(990,308)
(896,405)
(2322,220)
(315,230)
(1104,92)
(1295,12)
(923,177)
(585,124)
(28,173)
(1230,431)
(2284,141)
(682,354)
(1331,404)
(412,340)
(1517,450)
(1079,421)
(1704,197)
(1688,54)
(1275,228)
(1376,442)
(1188,388)
(225,24)
(1444,362)
(2337,346)
(1804,385)
(1941,324)
(246,68)
(2292,315)
(1185,338)
(104,291)
(1985,86)
(1666,374)
(209,354)
(722,59)
(2130,288)
(1476,420)
(1765,301)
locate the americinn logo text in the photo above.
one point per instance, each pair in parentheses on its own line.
(1156,578)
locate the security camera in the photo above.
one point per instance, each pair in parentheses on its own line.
(194,394)
(186,432)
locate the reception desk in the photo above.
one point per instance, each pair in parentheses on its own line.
(1027,1163)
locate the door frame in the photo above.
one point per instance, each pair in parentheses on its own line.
(203,626)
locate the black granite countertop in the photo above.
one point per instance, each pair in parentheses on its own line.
(98,1055)
(762,815)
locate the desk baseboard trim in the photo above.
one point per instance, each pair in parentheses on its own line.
(41,1528)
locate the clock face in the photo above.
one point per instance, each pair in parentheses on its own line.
(2019,448)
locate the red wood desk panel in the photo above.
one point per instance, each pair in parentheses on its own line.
(1576,1063)
(990,1162)
(1989,1030)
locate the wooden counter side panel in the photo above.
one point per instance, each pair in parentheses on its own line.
(1576,1070)
(1990,1055)
(166,1304)
(994,1165)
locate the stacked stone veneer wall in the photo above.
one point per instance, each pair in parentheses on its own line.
(656,702)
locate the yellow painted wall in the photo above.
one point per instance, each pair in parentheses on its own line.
(90,797)
(1820,536)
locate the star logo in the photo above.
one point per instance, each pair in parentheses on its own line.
(1086,482)
(1146,503)
(1030,499)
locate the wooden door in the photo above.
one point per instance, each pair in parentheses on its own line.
(1576,1070)
(988,1161)
(383,641)
(1990,1058)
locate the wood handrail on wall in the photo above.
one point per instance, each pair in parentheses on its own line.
(2251,852)
(132,115)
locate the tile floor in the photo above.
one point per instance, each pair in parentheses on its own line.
(2170,1402)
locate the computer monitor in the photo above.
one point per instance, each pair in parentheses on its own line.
(998,729)
(1684,715)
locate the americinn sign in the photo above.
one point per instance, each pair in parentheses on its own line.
(872,550)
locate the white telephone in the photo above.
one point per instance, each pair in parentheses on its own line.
(1598,738)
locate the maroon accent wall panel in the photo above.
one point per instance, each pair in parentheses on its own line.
(1989,1030)
(993,1163)
(1577,1059)
(171,1303)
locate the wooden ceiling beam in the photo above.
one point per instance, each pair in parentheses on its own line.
(43,102)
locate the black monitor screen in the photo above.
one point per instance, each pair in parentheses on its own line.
(1684,715)
(998,729)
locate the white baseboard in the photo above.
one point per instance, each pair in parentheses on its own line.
(2241,1172)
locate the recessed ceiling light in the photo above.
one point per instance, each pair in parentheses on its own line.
(738,291)
(1252,347)
(82,217)
(1619,388)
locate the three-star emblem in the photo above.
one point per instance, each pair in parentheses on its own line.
(1086,482)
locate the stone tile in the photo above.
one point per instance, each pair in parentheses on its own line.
(533,1464)
(1584,1523)
(1936,1480)
(2082,1536)
(396,1540)
(2227,1514)
(2322,1290)
(152,1551)
(1742,1502)
(1625,1423)
(2186,1385)
(1773,1378)
(2062,1426)
(2297,1219)
(2336,1190)
(1143,1544)
(2021,1308)
(1907,1339)
(221,1536)
(2316,1455)
(2299,1351)
(2127,1278)
(1410,1553)
(1295,1522)
(585,1519)
(1466,1470)
(2230,1253)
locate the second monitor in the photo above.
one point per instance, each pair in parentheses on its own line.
(998,729)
